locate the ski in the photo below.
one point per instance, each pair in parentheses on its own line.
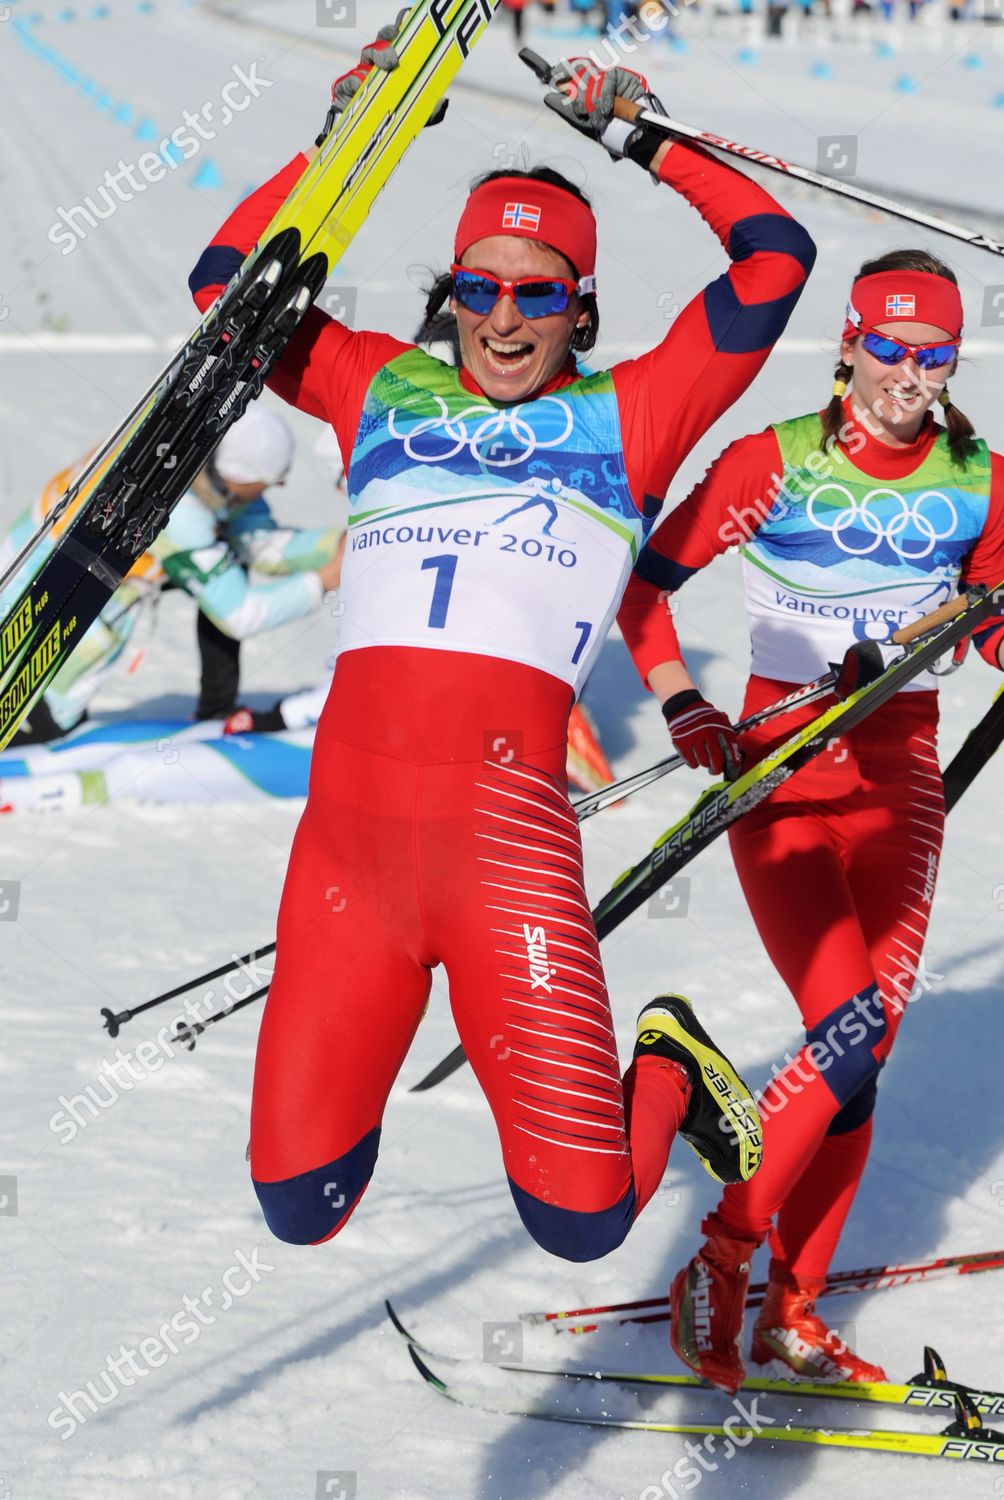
(134,500)
(965,1438)
(443,1069)
(931,1390)
(126,493)
(720,805)
(586,807)
(867,1279)
(982,742)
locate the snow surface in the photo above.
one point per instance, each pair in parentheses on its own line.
(301,1379)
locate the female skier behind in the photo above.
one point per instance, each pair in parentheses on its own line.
(852,521)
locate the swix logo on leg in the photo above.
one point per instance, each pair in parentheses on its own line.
(537,958)
(930,877)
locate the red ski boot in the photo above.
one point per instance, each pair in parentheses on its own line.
(707,1301)
(788,1329)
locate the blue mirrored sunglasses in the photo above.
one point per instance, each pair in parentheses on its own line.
(534,296)
(891,351)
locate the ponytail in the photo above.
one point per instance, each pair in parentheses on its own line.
(959,430)
(833,416)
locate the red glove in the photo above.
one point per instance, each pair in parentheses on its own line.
(702,734)
(255,721)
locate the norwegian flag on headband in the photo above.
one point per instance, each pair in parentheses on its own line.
(521,216)
(899,305)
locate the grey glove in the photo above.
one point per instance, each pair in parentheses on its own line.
(590,110)
(380,53)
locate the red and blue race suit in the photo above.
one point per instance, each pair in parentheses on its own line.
(488,547)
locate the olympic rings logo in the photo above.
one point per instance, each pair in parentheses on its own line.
(499,438)
(912,531)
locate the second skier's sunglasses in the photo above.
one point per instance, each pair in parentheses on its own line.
(891,351)
(534,296)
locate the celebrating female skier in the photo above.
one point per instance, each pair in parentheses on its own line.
(495,512)
(852,522)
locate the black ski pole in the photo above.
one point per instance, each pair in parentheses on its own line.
(186,1032)
(979,746)
(114,1020)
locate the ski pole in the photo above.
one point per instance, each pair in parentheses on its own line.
(597,801)
(114,1020)
(810,691)
(633,112)
(979,746)
(863,1279)
(186,1032)
(594,803)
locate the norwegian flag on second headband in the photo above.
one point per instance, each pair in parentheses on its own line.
(521,216)
(900,305)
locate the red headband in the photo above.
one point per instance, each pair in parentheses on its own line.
(531,210)
(907,297)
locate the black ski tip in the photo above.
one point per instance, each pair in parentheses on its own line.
(934,1366)
(441,1071)
(536,63)
(423,1369)
(112,1021)
(397,1322)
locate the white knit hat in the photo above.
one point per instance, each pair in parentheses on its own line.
(258,449)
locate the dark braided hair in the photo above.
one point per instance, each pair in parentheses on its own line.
(439,325)
(960,431)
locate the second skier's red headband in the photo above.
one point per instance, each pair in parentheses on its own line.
(904,296)
(531,210)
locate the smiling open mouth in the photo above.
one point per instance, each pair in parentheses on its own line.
(505,356)
(905,396)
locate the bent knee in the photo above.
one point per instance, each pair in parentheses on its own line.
(857,1111)
(313,1206)
(574,1234)
(843,1044)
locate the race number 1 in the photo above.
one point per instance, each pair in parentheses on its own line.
(445,568)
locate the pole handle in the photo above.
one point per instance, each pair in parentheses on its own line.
(536,63)
(627,109)
(937,617)
(624,109)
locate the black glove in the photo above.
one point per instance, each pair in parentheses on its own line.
(863,664)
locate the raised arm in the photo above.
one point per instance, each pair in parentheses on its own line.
(670,397)
(327,369)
